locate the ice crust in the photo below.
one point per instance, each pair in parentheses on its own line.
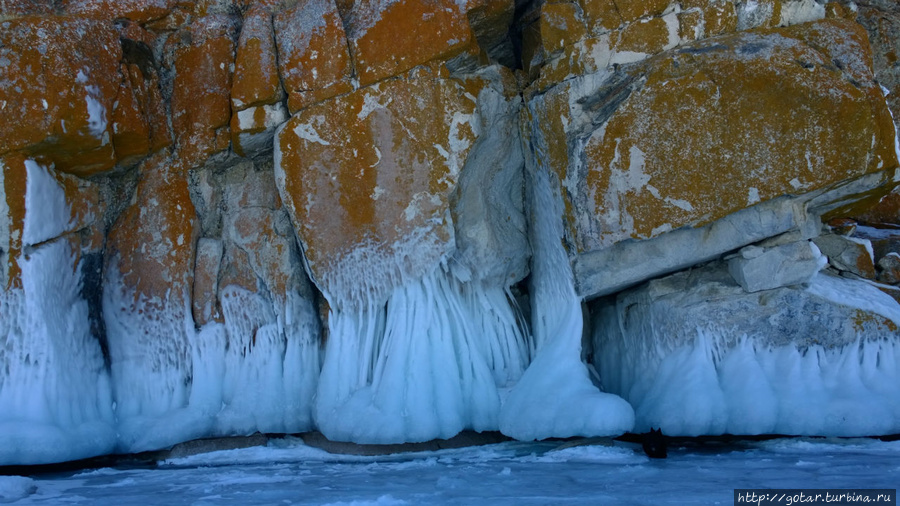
(797,361)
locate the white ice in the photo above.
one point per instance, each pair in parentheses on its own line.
(717,379)
(428,364)
(555,397)
(55,399)
(49,214)
(255,373)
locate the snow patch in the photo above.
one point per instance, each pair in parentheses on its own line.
(306,132)
(13,488)
(47,215)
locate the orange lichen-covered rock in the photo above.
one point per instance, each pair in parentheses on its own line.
(256,80)
(140,11)
(649,36)
(601,15)
(151,245)
(366,178)
(631,10)
(59,78)
(720,17)
(256,93)
(26,7)
(201,95)
(390,37)
(313,57)
(131,131)
(720,125)
(147,285)
(560,25)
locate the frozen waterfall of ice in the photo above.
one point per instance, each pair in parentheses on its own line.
(256,372)
(55,401)
(429,363)
(556,397)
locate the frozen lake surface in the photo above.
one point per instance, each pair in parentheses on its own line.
(289,472)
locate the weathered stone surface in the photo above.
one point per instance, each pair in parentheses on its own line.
(26,7)
(760,14)
(491,22)
(314,60)
(256,80)
(59,77)
(487,208)
(367,177)
(884,212)
(632,10)
(650,36)
(390,37)
(848,254)
(601,15)
(201,95)
(720,17)
(140,11)
(204,303)
(757,268)
(256,223)
(882,21)
(889,268)
(634,159)
(560,25)
(152,243)
(256,96)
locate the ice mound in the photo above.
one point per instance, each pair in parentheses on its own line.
(696,355)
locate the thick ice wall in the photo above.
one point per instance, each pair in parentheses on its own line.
(697,355)
(55,398)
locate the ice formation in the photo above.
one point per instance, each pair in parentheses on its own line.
(55,401)
(427,364)
(816,360)
(555,397)
(254,372)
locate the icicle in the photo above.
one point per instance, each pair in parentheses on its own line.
(55,401)
(751,375)
(425,365)
(555,397)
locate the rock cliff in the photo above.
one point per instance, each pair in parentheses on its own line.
(394,220)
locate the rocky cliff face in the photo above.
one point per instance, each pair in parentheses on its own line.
(395,220)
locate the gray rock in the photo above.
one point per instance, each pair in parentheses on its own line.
(758,268)
(848,254)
